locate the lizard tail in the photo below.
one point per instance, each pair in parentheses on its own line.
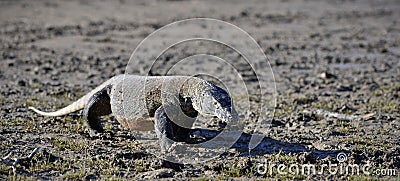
(79,104)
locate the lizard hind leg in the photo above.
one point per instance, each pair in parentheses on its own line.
(98,105)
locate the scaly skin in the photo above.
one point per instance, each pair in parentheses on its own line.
(167,103)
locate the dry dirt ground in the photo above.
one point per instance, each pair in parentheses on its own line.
(336,65)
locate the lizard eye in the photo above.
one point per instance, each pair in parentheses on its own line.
(215,103)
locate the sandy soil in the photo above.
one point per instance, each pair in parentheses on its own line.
(336,66)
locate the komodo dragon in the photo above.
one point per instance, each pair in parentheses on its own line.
(168,104)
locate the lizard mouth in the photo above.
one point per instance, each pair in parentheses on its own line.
(226,114)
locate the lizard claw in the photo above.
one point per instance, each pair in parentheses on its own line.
(197,136)
(176,147)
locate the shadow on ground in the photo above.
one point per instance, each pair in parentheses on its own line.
(270,145)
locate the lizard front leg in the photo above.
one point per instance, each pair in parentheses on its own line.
(164,128)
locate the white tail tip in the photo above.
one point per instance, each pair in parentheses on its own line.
(39,111)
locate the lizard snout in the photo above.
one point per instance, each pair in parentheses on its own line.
(226,114)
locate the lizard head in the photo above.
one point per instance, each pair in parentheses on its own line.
(215,101)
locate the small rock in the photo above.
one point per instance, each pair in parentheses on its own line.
(343,88)
(277,122)
(161,173)
(347,108)
(22,83)
(368,116)
(91,177)
(336,133)
(327,75)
